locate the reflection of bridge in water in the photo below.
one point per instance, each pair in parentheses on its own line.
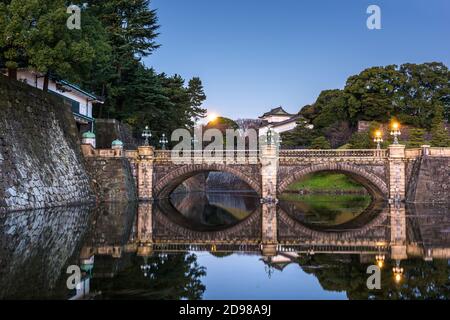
(270,230)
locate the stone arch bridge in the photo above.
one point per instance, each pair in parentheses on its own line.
(270,171)
(395,173)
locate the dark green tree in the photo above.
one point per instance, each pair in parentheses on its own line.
(330,108)
(424,86)
(320,143)
(440,136)
(35,35)
(361,140)
(373,94)
(196,97)
(132,28)
(416,138)
(300,137)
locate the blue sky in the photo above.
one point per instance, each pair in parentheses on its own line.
(256,54)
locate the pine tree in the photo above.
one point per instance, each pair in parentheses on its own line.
(132,31)
(416,138)
(196,97)
(440,137)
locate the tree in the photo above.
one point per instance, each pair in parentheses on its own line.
(361,140)
(425,86)
(330,107)
(132,31)
(246,124)
(300,137)
(320,143)
(34,35)
(416,138)
(373,94)
(338,133)
(440,137)
(196,97)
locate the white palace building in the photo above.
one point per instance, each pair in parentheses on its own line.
(280,121)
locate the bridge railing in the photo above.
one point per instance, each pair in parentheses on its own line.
(203,156)
(337,153)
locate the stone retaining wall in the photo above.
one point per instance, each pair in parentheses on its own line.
(112,179)
(40,161)
(432,181)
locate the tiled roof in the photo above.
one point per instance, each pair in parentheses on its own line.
(276,112)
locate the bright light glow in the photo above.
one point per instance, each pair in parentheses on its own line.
(380,264)
(395,125)
(398,277)
(378,134)
(212,117)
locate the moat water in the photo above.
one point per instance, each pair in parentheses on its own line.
(209,246)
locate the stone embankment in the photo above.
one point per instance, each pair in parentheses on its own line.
(40,160)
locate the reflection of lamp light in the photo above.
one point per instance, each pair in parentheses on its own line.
(213,248)
(380,260)
(398,272)
(145,268)
(146,133)
(378,139)
(395,131)
(269,270)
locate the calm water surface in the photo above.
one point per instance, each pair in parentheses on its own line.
(208,246)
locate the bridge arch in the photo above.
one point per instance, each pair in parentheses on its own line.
(166,216)
(373,228)
(374,184)
(170,181)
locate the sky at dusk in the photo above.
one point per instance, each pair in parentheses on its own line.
(253,55)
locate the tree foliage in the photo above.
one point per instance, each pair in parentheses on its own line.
(320,143)
(105,57)
(440,136)
(410,92)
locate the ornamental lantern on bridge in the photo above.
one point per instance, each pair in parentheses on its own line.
(146,134)
(163,141)
(378,139)
(395,132)
(88,138)
(117,144)
(398,272)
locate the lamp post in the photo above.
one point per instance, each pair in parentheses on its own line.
(269,136)
(378,139)
(395,131)
(280,140)
(146,133)
(163,141)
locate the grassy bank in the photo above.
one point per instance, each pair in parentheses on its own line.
(325,182)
